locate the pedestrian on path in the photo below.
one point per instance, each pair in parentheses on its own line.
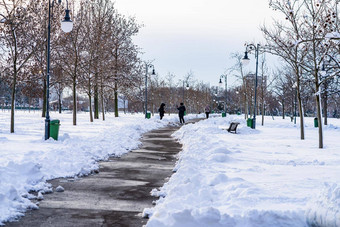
(181,110)
(207,111)
(161,110)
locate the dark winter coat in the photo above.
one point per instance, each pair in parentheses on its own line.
(161,110)
(181,110)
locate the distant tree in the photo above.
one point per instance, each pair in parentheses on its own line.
(18,40)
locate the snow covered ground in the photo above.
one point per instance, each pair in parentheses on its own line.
(27,160)
(263,177)
(256,178)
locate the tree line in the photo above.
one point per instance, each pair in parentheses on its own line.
(97,61)
(99,64)
(305,37)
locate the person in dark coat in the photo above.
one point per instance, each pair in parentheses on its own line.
(181,110)
(161,110)
(207,111)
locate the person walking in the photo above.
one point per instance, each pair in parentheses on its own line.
(207,111)
(181,110)
(161,111)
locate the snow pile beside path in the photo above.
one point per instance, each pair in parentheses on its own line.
(325,210)
(16,180)
(27,161)
(243,179)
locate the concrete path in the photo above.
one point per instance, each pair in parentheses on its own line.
(117,195)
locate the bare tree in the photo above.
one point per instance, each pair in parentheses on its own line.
(18,36)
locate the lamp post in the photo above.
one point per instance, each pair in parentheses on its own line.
(187,88)
(147,66)
(225,88)
(66,26)
(245,61)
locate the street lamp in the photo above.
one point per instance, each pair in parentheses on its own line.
(67,26)
(225,88)
(147,66)
(245,61)
(186,88)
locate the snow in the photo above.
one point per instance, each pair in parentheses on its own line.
(27,161)
(263,177)
(332,35)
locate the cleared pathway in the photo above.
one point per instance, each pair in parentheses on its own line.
(117,195)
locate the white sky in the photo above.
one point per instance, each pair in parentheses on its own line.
(196,35)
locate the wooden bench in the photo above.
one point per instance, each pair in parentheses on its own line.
(233,127)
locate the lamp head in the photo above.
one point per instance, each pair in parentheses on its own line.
(245,60)
(153,72)
(220,83)
(187,87)
(67,24)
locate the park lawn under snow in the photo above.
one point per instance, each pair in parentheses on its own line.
(27,161)
(264,177)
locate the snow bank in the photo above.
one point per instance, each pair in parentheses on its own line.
(325,210)
(27,161)
(256,178)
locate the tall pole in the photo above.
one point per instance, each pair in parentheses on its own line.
(257,64)
(146,86)
(225,89)
(47,120)
(226,93)
(66,26)
(146,89)
(183,92)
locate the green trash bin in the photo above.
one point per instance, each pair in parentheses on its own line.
(148,115)
(316,123)
(224,114)
(238,113)
(54,129)
(250,122)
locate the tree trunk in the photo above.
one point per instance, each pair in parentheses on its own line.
(59,102)
(245,107)
(124,106)
(102,99)
(96,98)
(325,105)
(29,104)
(13,99)
(103,108)
(263,109)
(116,99)
(90,100)
(74,102)
(298,91)
(90,103)
(319,116)
(283,109)
(302,123)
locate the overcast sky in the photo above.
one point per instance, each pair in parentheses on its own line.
(196,35)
